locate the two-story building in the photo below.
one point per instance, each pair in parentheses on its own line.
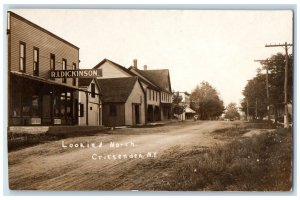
(34,98)
(160,80)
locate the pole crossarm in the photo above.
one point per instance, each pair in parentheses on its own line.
(278,45)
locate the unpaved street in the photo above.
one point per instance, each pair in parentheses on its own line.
(52,166)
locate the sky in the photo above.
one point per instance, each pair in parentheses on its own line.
(195,45)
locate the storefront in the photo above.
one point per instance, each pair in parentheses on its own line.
(38,101)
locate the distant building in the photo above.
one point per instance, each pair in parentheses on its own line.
(34,98)
(123,102)
(90,110)
(188,112)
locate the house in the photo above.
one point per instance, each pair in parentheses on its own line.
(158,91)
(111,69)
(90,111)
(123,101)
(33,97)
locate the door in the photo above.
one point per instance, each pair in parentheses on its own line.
(137,114)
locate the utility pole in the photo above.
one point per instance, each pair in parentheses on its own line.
(247,116)
(266,62)
(285,46)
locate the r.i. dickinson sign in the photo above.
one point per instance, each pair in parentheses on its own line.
(80,73)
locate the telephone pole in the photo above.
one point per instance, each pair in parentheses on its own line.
(266,62)
(285,46)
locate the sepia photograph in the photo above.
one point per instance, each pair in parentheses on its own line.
(150,100)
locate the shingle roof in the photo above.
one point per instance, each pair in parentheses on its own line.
(84,81)
(159,77)
(116,90)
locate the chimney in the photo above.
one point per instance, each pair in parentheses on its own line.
(145,67)
(135,63)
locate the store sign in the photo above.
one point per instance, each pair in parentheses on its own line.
(80,73)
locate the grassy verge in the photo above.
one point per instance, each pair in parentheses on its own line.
(259,163)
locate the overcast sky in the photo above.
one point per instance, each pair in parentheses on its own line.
(195,45)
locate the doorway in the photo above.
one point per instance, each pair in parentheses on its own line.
(137,113)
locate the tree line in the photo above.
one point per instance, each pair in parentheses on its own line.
(255,99)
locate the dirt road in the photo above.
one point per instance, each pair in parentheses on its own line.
(123,159)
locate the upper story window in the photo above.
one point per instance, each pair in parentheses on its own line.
(74,79)
(35,61)
(64,67)
(22,62)
(52,63)
(149,94)
(93,90)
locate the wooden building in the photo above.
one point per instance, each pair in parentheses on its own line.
(159,100)
(34,98)
(123,102)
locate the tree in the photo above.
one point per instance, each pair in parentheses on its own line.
(206,101)
(177,105)
(232,111)
(256,97)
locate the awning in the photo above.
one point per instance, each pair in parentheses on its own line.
(189,110)
(47,81)
(42,80)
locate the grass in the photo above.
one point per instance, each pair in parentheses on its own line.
(259,163)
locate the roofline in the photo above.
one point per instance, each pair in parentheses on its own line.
(145,80)
(118,65)
(159,88)
(40,28)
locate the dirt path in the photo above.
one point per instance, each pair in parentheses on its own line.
(51,166)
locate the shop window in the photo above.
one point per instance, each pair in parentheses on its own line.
(35,61)
(35,106)
(64,67)
(22,62)
(113,110)
(93,90)
(16,105)
(52,63)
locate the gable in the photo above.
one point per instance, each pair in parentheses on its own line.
(112,70)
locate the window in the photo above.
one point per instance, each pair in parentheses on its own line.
(112,110)
(52,63)
(35,61)
(22,65)
(156,96)
(93,90)
(81,110)
(149,94)
(74,79)
(64,67)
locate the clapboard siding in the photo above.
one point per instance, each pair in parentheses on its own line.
(47,43)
